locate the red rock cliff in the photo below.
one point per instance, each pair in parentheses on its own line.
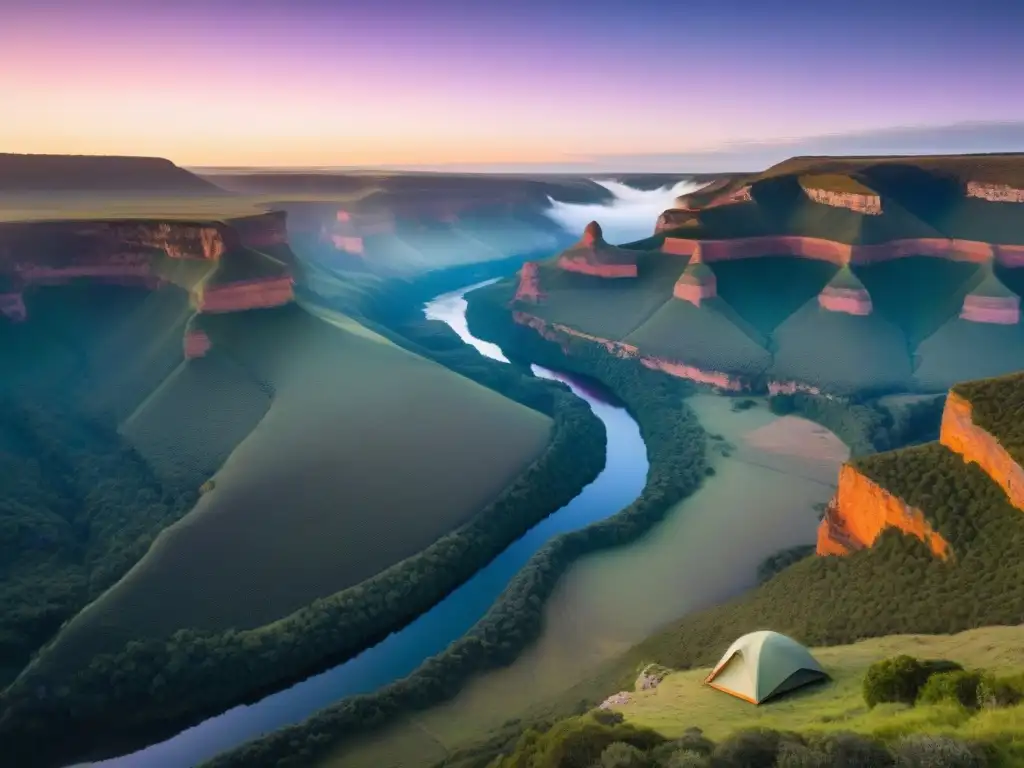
(862,510)
(697,282)
(961,435)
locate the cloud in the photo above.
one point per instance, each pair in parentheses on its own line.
(755,155)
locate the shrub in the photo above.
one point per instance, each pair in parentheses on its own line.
(852,750)
(927,751)
(750,749)
(960,687)
(1000,691)
(622,755)
(686,758)
(794,755)
(693,740)
(608,716)
(900,678)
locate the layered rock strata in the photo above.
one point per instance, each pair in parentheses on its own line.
(961,435)
(845,293)
(593,256)
(196,343)
(995,193)
(843,253)
(697,283)
(862,510)
(991,302)
(869,205)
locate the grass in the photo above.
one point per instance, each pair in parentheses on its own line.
(681,701)
(715,337)
(359,462)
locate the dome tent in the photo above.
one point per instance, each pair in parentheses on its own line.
(762,665)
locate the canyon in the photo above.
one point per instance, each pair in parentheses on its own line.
(213,260)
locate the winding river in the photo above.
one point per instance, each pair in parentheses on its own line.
(401,653)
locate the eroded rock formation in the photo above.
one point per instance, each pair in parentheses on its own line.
(870,205)
(196,343)
(991,302)
(741,195)
(593,256)
(528,289)
(241,295)
(961,435)
(697,283)
(845,293)
(862,510)
(996,193)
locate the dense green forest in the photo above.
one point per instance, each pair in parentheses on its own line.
(79,508)
(997,406)
(675,445)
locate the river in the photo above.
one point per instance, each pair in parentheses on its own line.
(398,655)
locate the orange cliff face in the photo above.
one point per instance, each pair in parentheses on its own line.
(870,205)
(961,435)
(245,294)
(862,510)
(528,289)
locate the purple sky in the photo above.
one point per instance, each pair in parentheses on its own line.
(586,84)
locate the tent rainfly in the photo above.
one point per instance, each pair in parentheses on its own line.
(762,665)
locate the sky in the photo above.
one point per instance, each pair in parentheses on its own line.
(485,84)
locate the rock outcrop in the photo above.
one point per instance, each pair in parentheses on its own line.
(240,295)
(870,205)
(961,435)
(862,510)
(264,231)
(991,302)
(995,193)
(196,343)
(697,283)
(845,293)
(528,289)
(741,195)
(593,256)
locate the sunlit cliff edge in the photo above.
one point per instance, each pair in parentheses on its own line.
(862,509)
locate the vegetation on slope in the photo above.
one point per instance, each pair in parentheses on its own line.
(515,619)
(153,684)
(997,406)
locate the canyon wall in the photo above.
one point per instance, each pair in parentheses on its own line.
(961,435)
(999,310)
(870,205)
(263,231)
(585,266)
(852,301)
(196,343)
(695,287)
(841,253)
(741,195)
(241,295)
(862,510)
(996,193)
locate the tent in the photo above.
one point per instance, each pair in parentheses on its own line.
(762,665)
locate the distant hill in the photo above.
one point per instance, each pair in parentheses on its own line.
(97,173)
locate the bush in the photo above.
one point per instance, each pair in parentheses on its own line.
(622,755)
(960,687)
(608,716)
(692,741)
(794,755)
(751,749)
(852,750)
(687,758)
(1000,691)
(899,679)
(927,751)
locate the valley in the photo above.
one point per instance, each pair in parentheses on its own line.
(360,469)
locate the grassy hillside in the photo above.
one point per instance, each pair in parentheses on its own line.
(393,431)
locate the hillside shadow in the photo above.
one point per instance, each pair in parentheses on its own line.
(929,196)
